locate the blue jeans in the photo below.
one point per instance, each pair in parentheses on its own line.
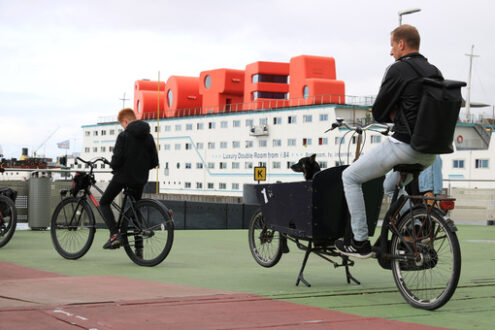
(373,164)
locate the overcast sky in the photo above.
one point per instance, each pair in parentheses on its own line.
(63,64)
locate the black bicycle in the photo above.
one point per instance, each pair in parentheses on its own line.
(420,245)
(8,216)
(147,226)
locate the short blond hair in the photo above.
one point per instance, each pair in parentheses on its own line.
(409,34)
(126,113)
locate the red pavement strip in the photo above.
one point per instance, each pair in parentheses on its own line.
(33,299)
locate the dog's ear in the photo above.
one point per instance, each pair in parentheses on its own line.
(312,158)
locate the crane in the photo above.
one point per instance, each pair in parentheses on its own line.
(45,141)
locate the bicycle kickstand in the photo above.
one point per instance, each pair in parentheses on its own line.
(300,277)
(346,263)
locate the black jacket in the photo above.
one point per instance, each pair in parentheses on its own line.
(401,90)
(134,154)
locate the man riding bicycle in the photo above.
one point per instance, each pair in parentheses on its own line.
(397,101)
(133,156)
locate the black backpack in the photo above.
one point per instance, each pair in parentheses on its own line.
(437,114)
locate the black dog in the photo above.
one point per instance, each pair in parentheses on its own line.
(308,166)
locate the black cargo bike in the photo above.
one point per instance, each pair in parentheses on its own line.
(420,246)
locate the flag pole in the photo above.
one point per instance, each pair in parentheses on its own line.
(158,130)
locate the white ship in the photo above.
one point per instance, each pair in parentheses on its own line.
(216,154)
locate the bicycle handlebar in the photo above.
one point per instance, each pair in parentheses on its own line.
(360,129)
(92,163)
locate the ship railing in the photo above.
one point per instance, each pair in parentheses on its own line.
(266,104)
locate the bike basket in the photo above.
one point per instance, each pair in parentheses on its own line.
(80,181)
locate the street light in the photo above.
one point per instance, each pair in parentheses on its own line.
(407,12)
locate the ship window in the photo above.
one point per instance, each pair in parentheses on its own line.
(323,117)
(339,163)
(211,185)
(199,185)
(481,163)
(199,165)
(211,165)
(223,165)
(458,163)
(211,125)
(207,81)
(103,132)
(306,92)
(235,186)
(276,164)
(322,141)
(249,122)
(178,127)
(224,124)
(248,165)
(307,141)
(110,149)
(307,118)
(170,98)
(291,119)
(168,128)
(188,146)
(95,149)
(103,149)
(199,145)
(277,143)
(236,144)
(87,133)
(177,146)
(87,149)
(166,146)
(199,126)
(95,133)
(178,166)
(112,132)
(376,138)
(223,145)
(277,120)
(187,185)
(270,78)
(189,127)
(235,165)
(249,144)
(262,143)
(339,140)
(188,165)
(269,95)
(211,145)
(236,123)
(291,142)
(222,185)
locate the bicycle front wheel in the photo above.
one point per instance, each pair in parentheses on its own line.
(8,219)
(148,239)
(265,244)
(427,280)
(72,228)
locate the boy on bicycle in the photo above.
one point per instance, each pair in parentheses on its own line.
(133,156)
(400,91)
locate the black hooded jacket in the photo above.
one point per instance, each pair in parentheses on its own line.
(134,154)
(401,90)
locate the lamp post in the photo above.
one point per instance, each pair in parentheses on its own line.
(407,12)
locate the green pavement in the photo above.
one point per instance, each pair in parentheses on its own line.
(221,259)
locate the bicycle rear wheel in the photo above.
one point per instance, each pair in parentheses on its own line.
(8,219)
(265,244)
(72,228)
(148,239)
(430,279)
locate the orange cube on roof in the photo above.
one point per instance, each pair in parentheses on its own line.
(314,79)
(182,96)
(222,90)
(266,85)
(146,104)
(149,85)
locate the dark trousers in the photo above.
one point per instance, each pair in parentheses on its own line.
(113,189)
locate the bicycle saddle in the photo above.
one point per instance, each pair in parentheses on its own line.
(409,168)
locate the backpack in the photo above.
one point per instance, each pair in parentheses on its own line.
(437,116)
(10,193)
(80,181)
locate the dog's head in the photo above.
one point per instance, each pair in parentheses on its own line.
(308,166)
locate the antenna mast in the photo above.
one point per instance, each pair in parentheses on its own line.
(468,94)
